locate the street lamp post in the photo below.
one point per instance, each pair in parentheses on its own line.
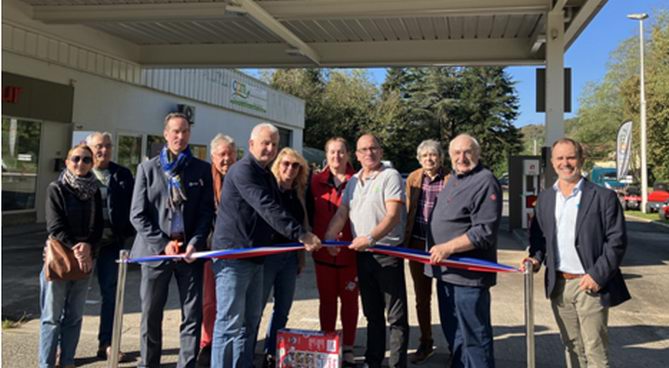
(644,168)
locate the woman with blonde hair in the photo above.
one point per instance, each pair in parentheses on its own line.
(73,218)
(280,270)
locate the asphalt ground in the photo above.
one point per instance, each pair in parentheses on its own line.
(639,329)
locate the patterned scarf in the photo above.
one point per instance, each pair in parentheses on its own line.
(84,187)
(172,168)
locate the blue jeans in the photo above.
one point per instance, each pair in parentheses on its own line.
(465,320)
(279,273)
(107,270)
(238,312)
(62,311)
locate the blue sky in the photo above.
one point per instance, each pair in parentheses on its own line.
(587,56)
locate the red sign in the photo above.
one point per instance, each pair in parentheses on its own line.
(308,349)
(10,94)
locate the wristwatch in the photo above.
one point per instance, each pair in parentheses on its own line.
(372,241)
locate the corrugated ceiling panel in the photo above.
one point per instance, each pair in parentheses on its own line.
(484,26)
(499,25)
(399,28)
(513,27)
(456,27)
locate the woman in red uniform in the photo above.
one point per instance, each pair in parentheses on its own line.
(336,274)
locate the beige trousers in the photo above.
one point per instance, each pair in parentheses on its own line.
(583,325)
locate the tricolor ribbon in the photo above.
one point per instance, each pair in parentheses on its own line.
(464,263)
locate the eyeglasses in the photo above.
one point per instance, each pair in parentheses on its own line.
(374,149)
(86,159)
(294,165)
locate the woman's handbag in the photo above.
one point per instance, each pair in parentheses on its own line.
(60,262)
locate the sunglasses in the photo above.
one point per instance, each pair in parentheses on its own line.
(294,165)
(85,159)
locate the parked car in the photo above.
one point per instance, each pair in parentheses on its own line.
(664,213)
(632,198)
(658,198)
(606,177)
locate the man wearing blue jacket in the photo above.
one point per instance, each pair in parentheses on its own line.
(172,212)
(465,222)
(579,233)
(248,215)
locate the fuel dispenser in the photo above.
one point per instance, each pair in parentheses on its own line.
(524,186)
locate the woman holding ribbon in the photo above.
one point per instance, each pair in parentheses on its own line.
(280,271)
(73,218)
(336,269)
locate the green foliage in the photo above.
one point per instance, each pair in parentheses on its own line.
(606,104)
(413,104)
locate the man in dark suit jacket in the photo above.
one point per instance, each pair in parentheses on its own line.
(172,212)
(116,185)
(579,232)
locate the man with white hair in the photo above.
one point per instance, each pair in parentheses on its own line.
(223,154)
(422,188)
(116,183)
(465,222)
(248,215)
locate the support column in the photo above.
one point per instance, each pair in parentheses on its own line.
(554,76)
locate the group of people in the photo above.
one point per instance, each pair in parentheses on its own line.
(178,204)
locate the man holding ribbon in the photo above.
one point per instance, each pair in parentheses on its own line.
(249,215)
(465,222)
(172,212)
(374,202)
(579,232)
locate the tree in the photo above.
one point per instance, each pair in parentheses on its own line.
(605,105)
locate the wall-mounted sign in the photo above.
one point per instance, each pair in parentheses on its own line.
(248,96)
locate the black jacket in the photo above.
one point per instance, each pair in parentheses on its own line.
(72,220)
(601,240)
(119,200)
(250,211)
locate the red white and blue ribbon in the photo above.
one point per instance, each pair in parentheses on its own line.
(464,263)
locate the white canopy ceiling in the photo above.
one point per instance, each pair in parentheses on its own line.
(326,33)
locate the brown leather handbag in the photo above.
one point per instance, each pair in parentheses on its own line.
(60,262)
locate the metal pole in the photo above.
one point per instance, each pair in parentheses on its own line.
(644,167)
(118,309)
(529,313)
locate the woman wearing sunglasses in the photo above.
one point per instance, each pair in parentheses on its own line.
(73,217)
(280,271)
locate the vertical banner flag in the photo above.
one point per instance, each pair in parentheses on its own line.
(623,149)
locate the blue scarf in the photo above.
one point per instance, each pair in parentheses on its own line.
(172,168)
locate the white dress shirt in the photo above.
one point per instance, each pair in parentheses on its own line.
(566,212)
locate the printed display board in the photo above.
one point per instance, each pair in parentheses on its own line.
(308,349)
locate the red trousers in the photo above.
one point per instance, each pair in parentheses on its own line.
(338,282)
(208,305)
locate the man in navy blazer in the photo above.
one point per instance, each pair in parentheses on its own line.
(172,212)
(579,233)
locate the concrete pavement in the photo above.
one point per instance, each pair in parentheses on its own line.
(639,329)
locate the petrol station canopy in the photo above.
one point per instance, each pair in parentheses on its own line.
(325,33)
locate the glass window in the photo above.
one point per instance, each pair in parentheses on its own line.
(154,143)
(285,136)
(20,153)
(199,151)
(129,151)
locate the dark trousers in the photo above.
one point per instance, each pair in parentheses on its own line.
(422,286)
(465,320)
(107,270)
(154,288)
(383,288)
